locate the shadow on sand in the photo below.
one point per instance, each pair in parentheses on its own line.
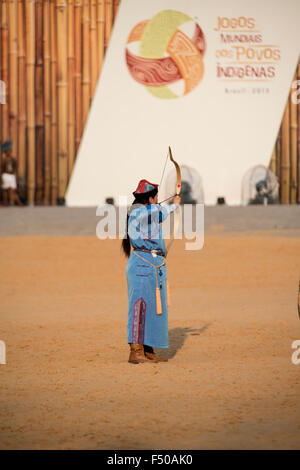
(177,337)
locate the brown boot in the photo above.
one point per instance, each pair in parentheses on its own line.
(150,354)
(137,354)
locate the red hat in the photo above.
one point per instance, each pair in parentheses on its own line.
(144,187)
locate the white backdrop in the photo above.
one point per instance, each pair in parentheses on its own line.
(218,129)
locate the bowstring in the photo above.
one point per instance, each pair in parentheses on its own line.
(163,176)
(170,197)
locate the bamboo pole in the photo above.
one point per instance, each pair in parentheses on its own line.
(46,99)
(116,6)
(39,103)
(293,146)
(2,94)
(13,73)
(298,141)
(273,160)
(108,20)
(285,159)
(21,103)
(4,71)
(278,153)
(62,77)
(100,33)
(53,107)
(93,45)
(71,97)
(86,93)
(77,73)
(2,89)
(30,60)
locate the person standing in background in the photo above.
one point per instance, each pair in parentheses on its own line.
(9,176)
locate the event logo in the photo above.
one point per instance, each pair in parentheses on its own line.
(167,60)
(243,54)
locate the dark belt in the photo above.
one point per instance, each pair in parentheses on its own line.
(158,253)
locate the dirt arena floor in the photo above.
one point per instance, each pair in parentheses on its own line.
(229,383)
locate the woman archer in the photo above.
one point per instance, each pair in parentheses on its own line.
(146,273)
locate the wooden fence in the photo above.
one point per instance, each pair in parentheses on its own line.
(285,159)
(50,60)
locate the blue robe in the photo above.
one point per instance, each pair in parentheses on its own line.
(144,325)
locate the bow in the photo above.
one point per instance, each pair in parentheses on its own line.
(178,173)
(178,188)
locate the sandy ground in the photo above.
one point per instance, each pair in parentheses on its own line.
(229,382)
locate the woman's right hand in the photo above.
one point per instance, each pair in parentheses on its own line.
(177,200)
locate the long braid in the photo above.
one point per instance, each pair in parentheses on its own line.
(126,245)
(139,199)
